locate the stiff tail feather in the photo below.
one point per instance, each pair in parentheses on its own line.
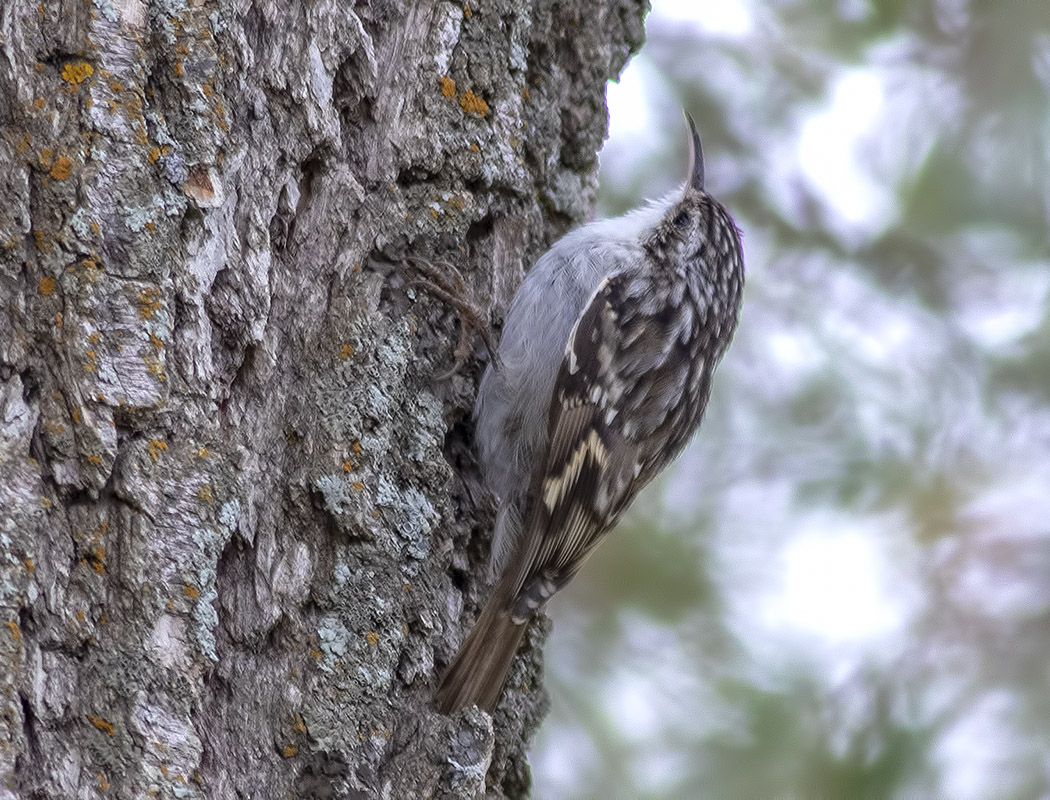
(479,670)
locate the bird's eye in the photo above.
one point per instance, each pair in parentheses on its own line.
(681,220)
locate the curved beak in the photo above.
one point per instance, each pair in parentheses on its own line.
(695,177)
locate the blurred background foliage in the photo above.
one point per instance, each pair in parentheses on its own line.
(842,589)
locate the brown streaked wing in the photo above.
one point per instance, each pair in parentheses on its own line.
(588,473)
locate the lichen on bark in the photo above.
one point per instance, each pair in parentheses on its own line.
(240,525)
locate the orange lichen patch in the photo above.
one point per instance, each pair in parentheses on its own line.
(41,241)
(298,725)
(345,352)
(473,104)
(154,367)
(16,634)
(156,447)
(204,494)
(164,770)
(448,86)
(81,615)
(525,93)
(90,365)
(191,591)
(102,724)
(372,638)
(467,13)
(116,86)
(347,466)
(96,460)
(474,148)
(290,751)
(179,69)
(39,103)
(154,155)
(46,286)
(149,302)
(358,486)
(315,654)
(29,565)
(95,338)
(76,72)
(156,341)
(95,557)
(203,452)
(54,427)
(103,784)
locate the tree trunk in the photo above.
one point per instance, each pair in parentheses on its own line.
(241,529)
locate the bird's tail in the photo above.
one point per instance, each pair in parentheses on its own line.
(477,673)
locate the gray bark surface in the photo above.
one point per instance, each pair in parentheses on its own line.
(240,528)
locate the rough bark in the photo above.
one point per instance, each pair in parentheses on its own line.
(240,529)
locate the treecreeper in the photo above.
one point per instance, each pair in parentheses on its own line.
(604,371)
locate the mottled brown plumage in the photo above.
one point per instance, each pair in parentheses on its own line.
(631,383)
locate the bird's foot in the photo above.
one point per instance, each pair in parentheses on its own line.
(445,283)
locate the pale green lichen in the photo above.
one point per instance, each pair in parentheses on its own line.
(333,640)
(412,514)
(336,493)
(206,620)
(138,218)
(229,516)
(80,222)
(107,10)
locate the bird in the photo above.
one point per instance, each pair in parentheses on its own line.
(604,372)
